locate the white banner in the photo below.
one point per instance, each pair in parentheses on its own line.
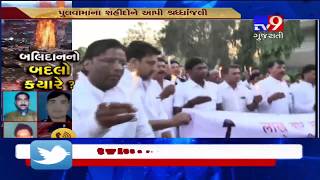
(224,124)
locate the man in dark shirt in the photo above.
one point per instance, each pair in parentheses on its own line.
(58,105)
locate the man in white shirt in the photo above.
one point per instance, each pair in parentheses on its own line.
(213,76)
(253,79)
(196,92)
(246,75)
(165,89)
(100,107)
(235,96)
(245,78)
(304,91)
(175,72)
(275,92)
(143,56)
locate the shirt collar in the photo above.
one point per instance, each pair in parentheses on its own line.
(81,76)
(83,79)
(306,83)
(274,79)
(194,84)
(227,85)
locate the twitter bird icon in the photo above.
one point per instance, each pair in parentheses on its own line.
(51,154)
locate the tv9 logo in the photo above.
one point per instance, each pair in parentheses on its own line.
(268,23)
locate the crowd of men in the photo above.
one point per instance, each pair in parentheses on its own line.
(134,91)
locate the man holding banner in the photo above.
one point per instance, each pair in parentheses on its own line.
(272,120)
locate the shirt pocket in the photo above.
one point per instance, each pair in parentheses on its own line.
(243,101)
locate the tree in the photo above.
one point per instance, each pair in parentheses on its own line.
(267,49)
(203,38)
(82,51)
(247,46)
(142,32)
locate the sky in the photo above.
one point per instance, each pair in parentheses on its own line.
(84,32)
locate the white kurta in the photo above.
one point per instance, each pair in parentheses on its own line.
(85,100)
(148,92)
(304,96)
(268,87)
(167,104)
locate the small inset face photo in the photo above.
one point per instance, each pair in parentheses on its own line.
(20,129)
(55,106)
(19,106)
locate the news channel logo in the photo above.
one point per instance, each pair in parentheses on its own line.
(268,27)
(274,23)
(51,154)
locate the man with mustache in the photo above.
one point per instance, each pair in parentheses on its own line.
(143,57)
(275,92)
(234,95)
(165,89)
(23,113)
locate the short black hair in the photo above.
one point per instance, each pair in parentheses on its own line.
(253,76)
(98,47)
(272,63)
(55,94)
(225,69)
(174,62)
(307,69)
(140,49)
(192,62)
(20,93)
(160,59)
(23,126)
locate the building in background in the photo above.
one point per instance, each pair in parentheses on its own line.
(306,53)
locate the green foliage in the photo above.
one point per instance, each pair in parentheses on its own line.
(209,39)
(82,51)
(141,32)
(269,49)
(203,38)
